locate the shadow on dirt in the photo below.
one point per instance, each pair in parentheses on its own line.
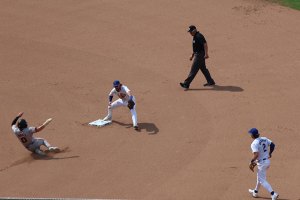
(50,155)
(150,128)
(33,157)
(271,198)
(221,88)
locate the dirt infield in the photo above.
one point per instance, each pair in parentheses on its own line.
(59,58)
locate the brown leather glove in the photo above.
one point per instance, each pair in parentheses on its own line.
(130,104)
(252,166)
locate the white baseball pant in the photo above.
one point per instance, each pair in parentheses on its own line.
(262,168)
(120,102)
(37,143)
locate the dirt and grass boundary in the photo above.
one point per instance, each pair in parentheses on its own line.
(295,4)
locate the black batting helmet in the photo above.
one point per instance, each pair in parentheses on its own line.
(22,124)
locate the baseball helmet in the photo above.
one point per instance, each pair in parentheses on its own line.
(253,131)
(116,83)
(22,124)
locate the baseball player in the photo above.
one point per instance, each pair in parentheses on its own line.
(261,154)
(25,135)
(125,99)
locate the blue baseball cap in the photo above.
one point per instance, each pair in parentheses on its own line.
(116,83)
(253,131)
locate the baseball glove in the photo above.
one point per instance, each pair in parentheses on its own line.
(252,165)
(130,104)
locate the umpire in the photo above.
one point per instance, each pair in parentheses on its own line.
(200,53)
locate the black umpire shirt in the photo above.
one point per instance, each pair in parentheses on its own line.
(198,43)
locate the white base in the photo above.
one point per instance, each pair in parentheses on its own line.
(100,123)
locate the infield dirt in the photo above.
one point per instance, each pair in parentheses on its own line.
(58,59)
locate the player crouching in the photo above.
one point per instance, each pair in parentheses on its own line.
(125,99)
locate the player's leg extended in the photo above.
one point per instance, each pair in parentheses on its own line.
(45,142)
(41,141)
(114,105)
(35,146)
(257,183)
(134,114)
(262,175)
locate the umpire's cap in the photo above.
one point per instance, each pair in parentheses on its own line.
(191,28)
(116,83)
(253,131)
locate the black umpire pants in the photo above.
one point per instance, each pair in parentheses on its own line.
(198,63)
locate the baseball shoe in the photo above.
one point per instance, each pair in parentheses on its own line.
(54,149)
(107,118)
(253,193)
(184,86)
(136,128)
(209,84)
(40,152)
(275,196)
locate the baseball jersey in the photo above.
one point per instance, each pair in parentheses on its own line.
(25,136)
(261,145)
(122,94)
(198,43)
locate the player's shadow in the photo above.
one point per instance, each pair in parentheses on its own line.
(228,88)
(271,198)
(33,157)
(150,128)
(50,155)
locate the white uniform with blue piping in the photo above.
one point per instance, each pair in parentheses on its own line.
(261,145)
(122,101)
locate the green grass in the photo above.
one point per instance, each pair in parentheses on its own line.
(290,3)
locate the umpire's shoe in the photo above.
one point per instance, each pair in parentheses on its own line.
(209,84)
(184,86)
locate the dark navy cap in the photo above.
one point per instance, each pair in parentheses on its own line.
(116,83)
(253,131)
(22,124)
(191,28)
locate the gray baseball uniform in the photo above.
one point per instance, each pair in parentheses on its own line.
(26,138)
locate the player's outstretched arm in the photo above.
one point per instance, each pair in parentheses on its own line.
(38,129)
(17,117)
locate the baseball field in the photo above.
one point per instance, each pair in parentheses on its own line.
(58,59)
(291,3)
